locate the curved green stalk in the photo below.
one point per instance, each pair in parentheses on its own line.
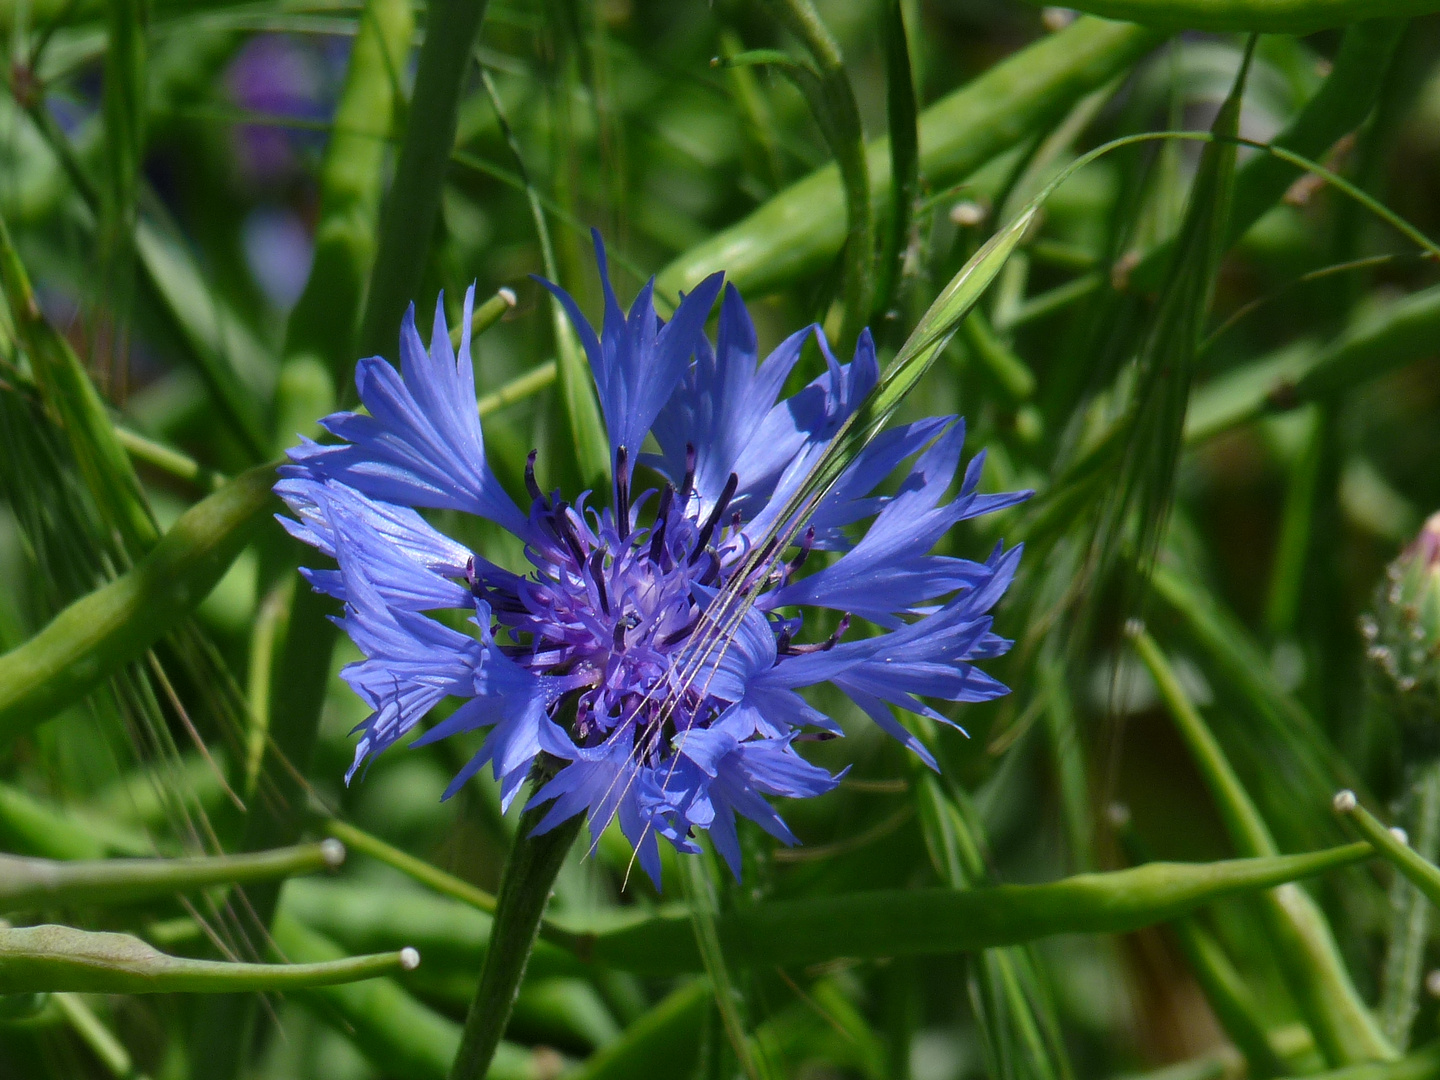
(46,959)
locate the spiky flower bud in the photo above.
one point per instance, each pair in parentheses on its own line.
(1402,641)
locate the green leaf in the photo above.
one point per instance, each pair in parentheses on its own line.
(1422,873)
(46,959)
(97,634)
(901,110)
(44,883)
(935,922)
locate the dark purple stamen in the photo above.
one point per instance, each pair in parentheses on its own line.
(662,518)
(597,574)
(689,483)
(566,528)
(824,646)
(530,485)
(708,529)
(622,493)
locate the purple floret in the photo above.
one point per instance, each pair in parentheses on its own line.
(622,653)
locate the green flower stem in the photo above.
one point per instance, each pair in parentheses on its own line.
(30,883)
(1303,943)
(46,959)
(935,922)
(832,99)
(900,114)
(1229,998)
(1254,16)
(115,624)
(795,234)
(525,886)
(413,204)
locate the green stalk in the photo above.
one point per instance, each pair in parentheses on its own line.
(525,885)
(798,232)
(412,207)
(1304,946)
(833,102)
(115,624)
(1421,871)
(31,883)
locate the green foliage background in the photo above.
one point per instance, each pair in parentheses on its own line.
(1215,365)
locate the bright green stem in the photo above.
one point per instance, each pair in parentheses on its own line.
(413,205)
(485,316)
(839,118)
(529,875)
(115,624)
(99,1038)
(1304,945)
(1410,913)
(518,388)
(29,883)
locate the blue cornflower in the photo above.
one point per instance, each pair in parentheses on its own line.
(601,655)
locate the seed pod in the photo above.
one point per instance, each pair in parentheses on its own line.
(1402,642)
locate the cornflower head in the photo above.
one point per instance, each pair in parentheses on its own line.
(648,654)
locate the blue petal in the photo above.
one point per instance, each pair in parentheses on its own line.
(421,445)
